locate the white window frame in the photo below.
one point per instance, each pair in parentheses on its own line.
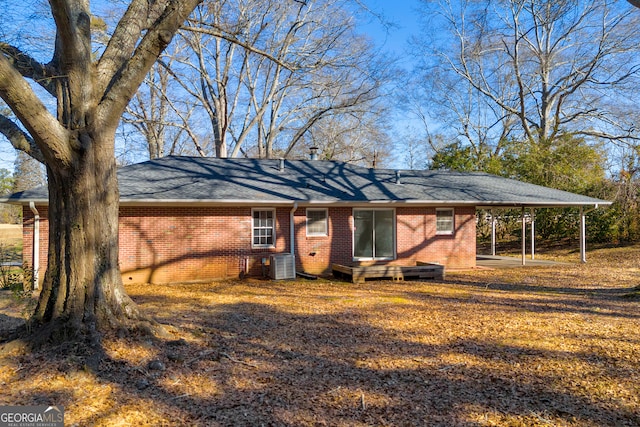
(452,229)
(325,221)
(254,228)
(353,236)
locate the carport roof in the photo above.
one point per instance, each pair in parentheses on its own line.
(197,180)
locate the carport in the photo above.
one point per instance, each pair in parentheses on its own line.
(528,214)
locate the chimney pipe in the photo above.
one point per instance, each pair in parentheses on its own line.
(313,153)
(398,177)
(281,165)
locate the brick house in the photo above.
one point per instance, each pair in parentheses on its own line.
(192,218)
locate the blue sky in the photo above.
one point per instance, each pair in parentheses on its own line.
(7,156)
(403,15)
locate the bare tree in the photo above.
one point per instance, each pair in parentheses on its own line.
(28,173)
(8,214)
(160,114)
(533,70)
(148,111)
(89,91)
(451,111)
(265,72)
(356,139)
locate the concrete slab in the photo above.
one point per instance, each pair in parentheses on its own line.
(489,261)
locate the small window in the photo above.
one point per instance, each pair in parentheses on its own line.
(317,222)
(264,228)
(444,221)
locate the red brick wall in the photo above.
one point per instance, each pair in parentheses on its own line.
(315,254)
(416,238)
(196,243)
(27,237)
(200,243)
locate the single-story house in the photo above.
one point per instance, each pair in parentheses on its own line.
(193,218)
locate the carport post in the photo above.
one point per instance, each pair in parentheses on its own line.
(533,233)
(583,233)
(493,234)
(524,236)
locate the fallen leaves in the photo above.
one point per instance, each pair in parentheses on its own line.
(524,347)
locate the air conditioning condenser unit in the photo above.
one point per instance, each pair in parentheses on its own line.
(282,266)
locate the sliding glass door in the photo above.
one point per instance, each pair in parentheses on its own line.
(374,234)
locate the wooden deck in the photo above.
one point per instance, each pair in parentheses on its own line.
(420,271)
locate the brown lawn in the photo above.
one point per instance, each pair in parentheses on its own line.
(10,232)
(10,243)
(524,347)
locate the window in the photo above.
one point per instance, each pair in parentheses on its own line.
(444,221)
(374,233)
(264,228)
(317,222)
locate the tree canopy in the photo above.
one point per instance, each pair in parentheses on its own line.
(260,78)
(492,72)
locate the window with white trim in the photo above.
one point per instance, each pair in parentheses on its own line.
(374,233)
(317,222)
(263,230)
(444,221)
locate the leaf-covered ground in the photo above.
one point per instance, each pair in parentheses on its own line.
(522,347)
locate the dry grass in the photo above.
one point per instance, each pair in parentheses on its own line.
(523,347)
(10,232)
(10,243)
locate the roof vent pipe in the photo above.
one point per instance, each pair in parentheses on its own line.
(313,153)
(398,177)
(281,165)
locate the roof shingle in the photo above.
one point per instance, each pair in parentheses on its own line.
(179,180)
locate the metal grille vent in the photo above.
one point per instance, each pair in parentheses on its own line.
(282,266)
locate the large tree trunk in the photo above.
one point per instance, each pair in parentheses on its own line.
(82,286)
(82,290)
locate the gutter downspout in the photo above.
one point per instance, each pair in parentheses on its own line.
(36,244)
(292,236)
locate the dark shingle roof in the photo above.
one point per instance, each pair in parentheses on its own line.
(180,180)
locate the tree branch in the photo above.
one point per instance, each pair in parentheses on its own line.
(46,131)
(19,139)
(607,136)
(126,80)
(218,33)
(73,59)
(73,25)
(124,39)
(332,109)
(30,68)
